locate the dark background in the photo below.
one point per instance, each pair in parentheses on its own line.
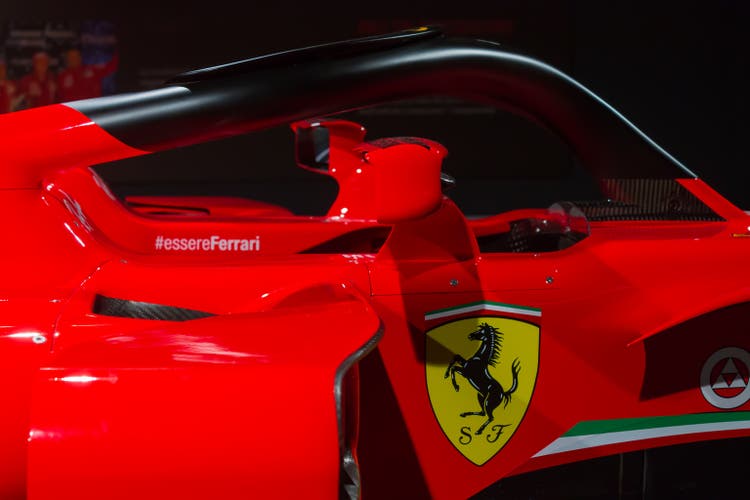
(676,69)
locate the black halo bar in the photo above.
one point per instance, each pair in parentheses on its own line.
(281,88)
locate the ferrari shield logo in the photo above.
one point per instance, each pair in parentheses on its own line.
(481,373)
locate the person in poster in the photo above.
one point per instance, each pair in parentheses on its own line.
(78,81)
(98,44)
(8,90)
(39,87)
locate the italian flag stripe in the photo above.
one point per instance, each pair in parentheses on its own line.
(483,306)
(608,432)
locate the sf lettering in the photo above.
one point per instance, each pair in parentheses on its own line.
(491,436)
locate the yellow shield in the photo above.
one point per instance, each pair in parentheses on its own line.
(481,373)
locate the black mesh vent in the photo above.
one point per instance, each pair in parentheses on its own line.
(108,306)
(646,199)
(387,142)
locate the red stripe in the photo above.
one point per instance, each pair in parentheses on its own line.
(601,451)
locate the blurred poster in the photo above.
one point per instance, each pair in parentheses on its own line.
(99,48)
(48,62)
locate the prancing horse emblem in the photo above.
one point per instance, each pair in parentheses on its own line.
(481,372)
(475,370)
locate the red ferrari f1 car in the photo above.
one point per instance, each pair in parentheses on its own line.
(227,348)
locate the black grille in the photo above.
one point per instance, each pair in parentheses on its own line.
(646,199)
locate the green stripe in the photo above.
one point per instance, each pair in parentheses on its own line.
(630,424)
(482,302)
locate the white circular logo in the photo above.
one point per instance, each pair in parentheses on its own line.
(725,378)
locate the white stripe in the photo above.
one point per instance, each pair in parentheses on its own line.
(482,307)
(572,443)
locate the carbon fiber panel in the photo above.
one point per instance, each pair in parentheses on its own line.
(108,306)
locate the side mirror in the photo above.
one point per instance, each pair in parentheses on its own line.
(312,147)
(391,180)
(317,142)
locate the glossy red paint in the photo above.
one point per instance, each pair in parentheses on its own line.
(248,401)
(204,205)
(124,229)
(356,196)
(212,411)
(38,142)
(591,365)
(372,180)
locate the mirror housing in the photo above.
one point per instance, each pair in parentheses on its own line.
(390,180)
(407,181)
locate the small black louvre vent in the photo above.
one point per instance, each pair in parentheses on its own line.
(108,306)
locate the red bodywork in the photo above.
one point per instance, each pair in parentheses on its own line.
(258,398)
